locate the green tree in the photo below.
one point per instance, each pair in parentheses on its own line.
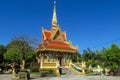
(111,57)
(2,51)
(106,58)
(13,55)
(21,47)
(76,57)
(89,57)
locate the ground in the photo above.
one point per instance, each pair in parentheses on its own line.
(65,77)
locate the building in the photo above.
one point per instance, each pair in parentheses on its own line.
(55,52)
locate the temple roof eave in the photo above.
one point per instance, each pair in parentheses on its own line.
(61,50)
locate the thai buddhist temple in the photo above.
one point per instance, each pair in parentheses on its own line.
(55,52)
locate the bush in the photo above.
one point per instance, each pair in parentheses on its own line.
(89,71)
(44,74)
(50,71)
(103,71)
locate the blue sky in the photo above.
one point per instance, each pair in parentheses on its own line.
(88,23)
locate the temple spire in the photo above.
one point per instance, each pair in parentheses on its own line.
(54,19)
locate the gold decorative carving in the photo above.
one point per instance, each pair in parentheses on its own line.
(49,64)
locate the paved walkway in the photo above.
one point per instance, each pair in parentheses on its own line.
(5,76)
(65,77)
(78,77)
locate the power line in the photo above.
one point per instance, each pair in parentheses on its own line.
(105,43)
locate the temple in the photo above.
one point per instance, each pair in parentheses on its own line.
(55,52)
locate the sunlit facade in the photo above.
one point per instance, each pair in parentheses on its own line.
(55,52)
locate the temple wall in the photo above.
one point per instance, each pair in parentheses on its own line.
(51,61)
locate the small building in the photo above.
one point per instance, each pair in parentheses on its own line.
(55,52)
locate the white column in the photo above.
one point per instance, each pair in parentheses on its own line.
(41,63)
(83,71)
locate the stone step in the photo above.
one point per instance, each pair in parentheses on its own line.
(68,71)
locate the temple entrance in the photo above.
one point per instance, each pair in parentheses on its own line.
(60,63)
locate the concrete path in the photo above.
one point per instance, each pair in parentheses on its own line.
(65,77)
(78,77)
(5,76)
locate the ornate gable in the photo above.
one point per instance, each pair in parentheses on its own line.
(55,39)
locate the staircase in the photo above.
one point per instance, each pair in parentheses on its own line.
(73,70)
(68,71)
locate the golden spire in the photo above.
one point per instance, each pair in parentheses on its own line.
(54,19)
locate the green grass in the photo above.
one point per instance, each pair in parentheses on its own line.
(36,73)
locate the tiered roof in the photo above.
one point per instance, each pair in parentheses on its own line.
(55,39)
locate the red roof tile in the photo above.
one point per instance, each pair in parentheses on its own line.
(47,34)
(56,45)
(59,42)
(63,47)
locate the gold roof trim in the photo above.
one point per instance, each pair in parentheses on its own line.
(55,50)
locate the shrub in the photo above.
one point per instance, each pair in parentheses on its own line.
(44,74)
(50,71)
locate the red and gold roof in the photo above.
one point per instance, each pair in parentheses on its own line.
(55,39)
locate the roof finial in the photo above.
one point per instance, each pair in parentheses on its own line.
(54,19)
(54,1)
